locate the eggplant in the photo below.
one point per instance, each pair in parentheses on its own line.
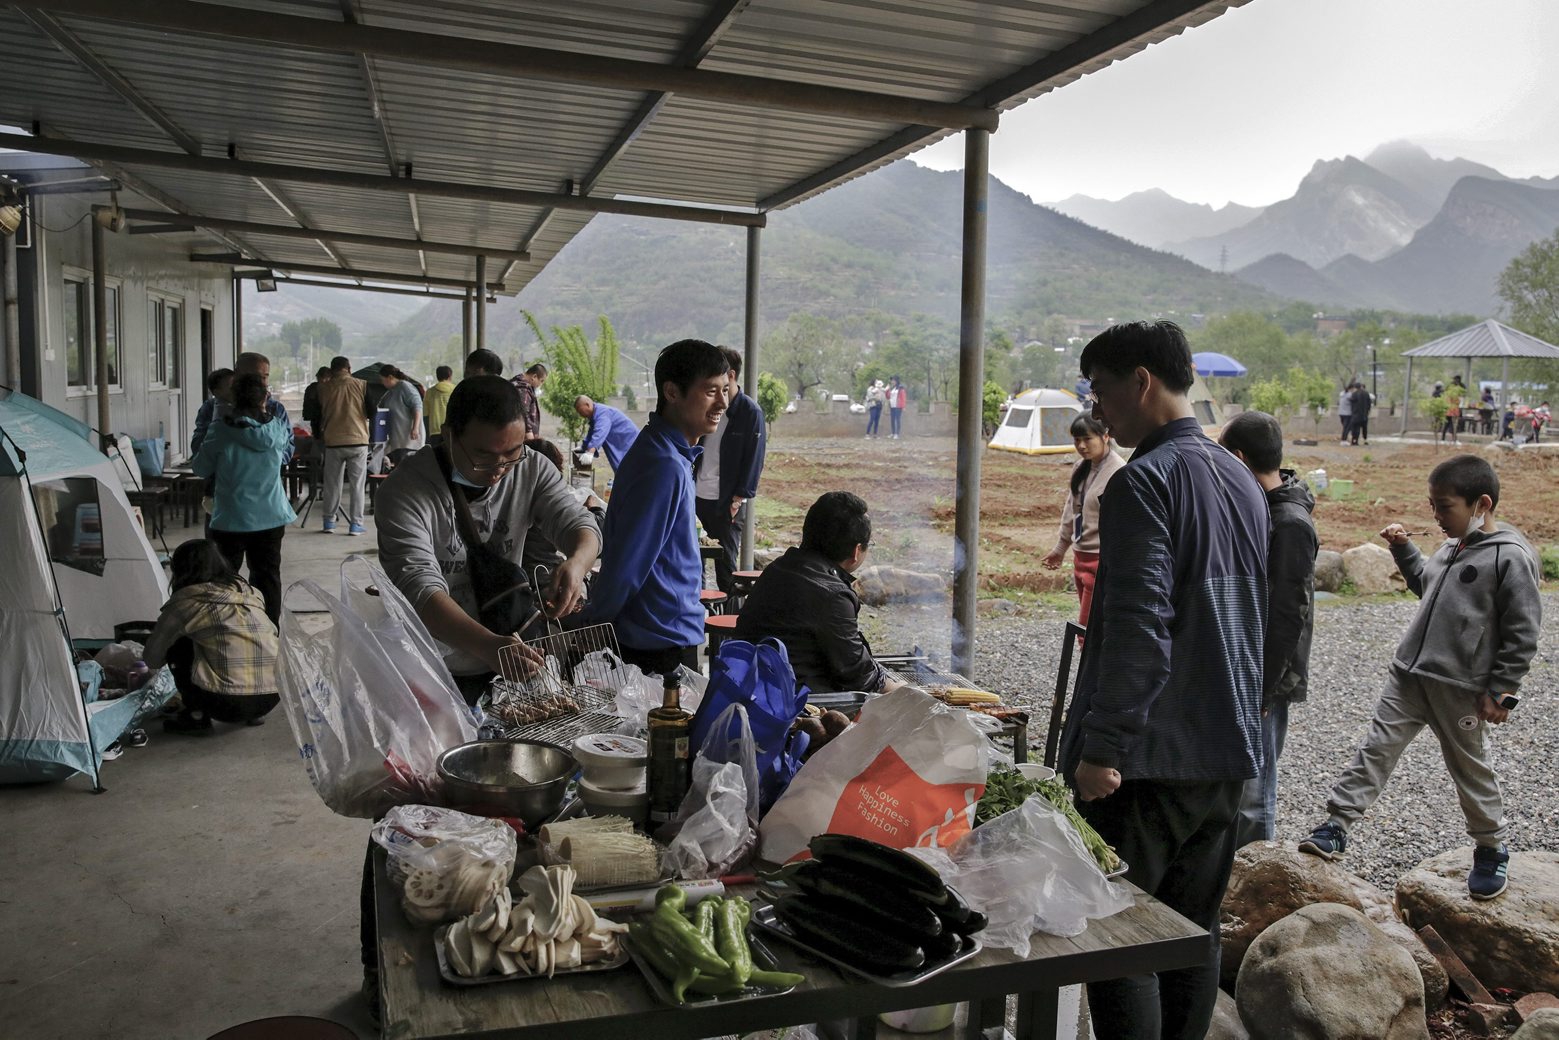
(959,916)
(895,868)
(816,924)
(944,946)
(866,897)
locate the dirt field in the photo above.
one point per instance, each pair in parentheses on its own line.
(909,485)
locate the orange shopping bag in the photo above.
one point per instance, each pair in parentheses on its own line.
(908,773)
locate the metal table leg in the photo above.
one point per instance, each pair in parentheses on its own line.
(1037,1014)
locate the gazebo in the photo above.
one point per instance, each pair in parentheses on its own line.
(1488,338)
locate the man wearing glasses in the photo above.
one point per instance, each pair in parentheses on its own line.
(505,488)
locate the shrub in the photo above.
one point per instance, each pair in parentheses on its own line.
(1550,558)
(772,395)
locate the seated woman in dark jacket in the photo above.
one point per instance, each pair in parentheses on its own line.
(806,600)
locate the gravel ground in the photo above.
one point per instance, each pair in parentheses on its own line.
(1017,655)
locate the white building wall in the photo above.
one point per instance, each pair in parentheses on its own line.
(141,267)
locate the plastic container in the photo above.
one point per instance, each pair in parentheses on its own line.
(599,801)
(1340,489)
(1035,771)
(920,1020)
(612,762)
(1316,478)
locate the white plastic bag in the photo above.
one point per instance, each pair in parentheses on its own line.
(635,693)
(370,702)
(716,829)
(446,863)
(909,772)
(1028,871)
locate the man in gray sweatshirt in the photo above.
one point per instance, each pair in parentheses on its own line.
(507,488)
(1458,667)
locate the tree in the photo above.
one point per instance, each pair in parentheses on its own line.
(1272,396)
(1529,285)
(1311,389)
(991,397)
(772,396)
(806,350)
(575,369)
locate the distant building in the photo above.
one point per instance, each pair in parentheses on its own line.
(170,322)
(1327,326)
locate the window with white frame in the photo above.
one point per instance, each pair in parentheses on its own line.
(80,359)
(164,341)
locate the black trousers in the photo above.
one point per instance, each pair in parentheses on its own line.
(263,551)
(1179,842)
(715,516)
(663,659)
(223,707)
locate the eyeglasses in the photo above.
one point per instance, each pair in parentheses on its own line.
(501,466)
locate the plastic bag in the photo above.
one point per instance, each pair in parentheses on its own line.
(635,693)
(370,702)
(716,829)
(1028,871)
(446,863)
(758,676)
(909,772)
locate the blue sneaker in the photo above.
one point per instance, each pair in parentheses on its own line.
(1327,841)
(357,529)
(330,527)
(1486,880)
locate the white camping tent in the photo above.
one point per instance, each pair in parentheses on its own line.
(79,564)
(1038,422)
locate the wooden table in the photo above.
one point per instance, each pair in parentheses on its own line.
(417,1004)
(150,500)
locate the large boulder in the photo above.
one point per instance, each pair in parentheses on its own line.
(1379,908)
(1325,972)
(1512,941)
(1372,570)
(879,585)
(1268,882)
(1544,1025)
(1328,571)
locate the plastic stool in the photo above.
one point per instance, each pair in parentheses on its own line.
(718,628)
(713,600)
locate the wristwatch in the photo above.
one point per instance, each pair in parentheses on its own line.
(1505,700)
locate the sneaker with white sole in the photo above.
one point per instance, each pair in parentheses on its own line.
(1487,878)
(357,529)
(1328,841)
(329,527)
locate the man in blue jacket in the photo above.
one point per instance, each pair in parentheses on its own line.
(651,571)
(610,430)
(726,477)
(1165,725)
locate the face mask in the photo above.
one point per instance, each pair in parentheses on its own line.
(1475,524)
(461,479)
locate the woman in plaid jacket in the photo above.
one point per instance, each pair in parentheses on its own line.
(216,637)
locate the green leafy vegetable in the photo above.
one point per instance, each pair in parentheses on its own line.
(1006,789)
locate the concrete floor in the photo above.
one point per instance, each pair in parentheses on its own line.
(207,887)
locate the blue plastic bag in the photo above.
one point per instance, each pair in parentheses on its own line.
(148,455)
(758,676)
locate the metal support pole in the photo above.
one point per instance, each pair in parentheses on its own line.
(13,317)
(971,381)
(1504,395)
(238,317)
(481,302)
(1407,397)
(465,326)
(100,327)
(750,377)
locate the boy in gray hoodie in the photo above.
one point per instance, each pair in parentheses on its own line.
(1459,665)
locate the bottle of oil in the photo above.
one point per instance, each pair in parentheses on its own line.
(671,759)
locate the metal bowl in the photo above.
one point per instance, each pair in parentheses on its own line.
(486,778)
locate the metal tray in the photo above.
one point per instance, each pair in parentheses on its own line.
(1119,871)
(762,957)
(763,916)
(448,973)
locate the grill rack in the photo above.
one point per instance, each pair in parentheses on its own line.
(567,671)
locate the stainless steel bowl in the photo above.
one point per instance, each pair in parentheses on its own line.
(520,778)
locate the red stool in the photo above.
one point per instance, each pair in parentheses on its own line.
(713,600)
(717,629)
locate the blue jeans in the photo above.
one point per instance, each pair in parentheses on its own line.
(895,415)
(873,419)
(1259,805)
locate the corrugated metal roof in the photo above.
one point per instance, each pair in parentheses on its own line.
(1488,338)
(316,109)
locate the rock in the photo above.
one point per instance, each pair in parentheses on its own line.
(1486,1019)
(1511,942)
(998,606)
(879,585)
(1544,1025)
(1383,913)
(1532,1003)
(761,558)
(1372,570)
(1328,571)
(1268,882)
(1325,972)
(1226,1023)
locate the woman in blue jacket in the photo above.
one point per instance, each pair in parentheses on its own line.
(244,450)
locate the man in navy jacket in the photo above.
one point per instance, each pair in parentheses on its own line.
(1165,725)
(726,477)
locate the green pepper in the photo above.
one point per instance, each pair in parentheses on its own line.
(685,942)
(672,896)
(779,979)
(704,917)
(715,985)
(662,959)
(731,939)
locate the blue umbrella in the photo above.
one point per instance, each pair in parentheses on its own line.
(1210,363)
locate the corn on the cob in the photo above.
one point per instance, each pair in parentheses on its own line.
(963,696)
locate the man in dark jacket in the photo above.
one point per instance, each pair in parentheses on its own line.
(1362,403)
(807,601)
(1165,724)
(1256,439)
(726,476)
(529,383)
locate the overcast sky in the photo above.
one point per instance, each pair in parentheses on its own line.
(1240,108)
